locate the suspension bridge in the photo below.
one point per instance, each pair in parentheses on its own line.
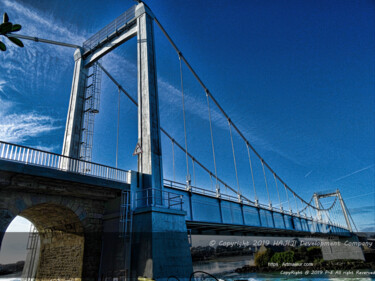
(86,203)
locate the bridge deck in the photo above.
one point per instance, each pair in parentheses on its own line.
(206,213)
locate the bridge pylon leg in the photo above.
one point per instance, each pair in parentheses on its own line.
(149,139)
(73,127)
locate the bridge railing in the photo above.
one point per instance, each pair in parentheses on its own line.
(153,197)
(36,157)
(199,190)
(110,30)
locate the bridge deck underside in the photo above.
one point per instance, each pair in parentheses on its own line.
(206,228)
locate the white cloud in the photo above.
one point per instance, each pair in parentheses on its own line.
(50,148)
(2,84)
(42,24)
(19,127)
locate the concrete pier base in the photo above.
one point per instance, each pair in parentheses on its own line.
(342,249)
(160,244)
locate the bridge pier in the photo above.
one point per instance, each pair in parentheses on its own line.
(161,244)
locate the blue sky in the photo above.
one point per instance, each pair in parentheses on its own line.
(297,77)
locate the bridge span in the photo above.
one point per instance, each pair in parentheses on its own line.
(206,211)
(84,206)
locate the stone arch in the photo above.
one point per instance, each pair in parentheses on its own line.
(61,241)
(69,209)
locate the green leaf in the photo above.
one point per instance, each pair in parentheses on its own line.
(16,41)
(5,28)
(16,27)
(5,18)
(2,46)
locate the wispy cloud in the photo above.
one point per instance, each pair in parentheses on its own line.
(360,195)
(20,127)
(43,24)
(362,210)
(2,84)
(50,148)
(36,69)
(40,63)
(353,173)
(370,228)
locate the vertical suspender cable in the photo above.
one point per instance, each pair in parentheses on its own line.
(287,196)
(296,202)
(325,218)
(328,216)
(212,136)
(192,160)
(118,125)
(234,156)
(265,180)
(174,170)
(303,210)
(334,214)
(252,174)
(338,217)
(212,183)
(277,189)
(183,110)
